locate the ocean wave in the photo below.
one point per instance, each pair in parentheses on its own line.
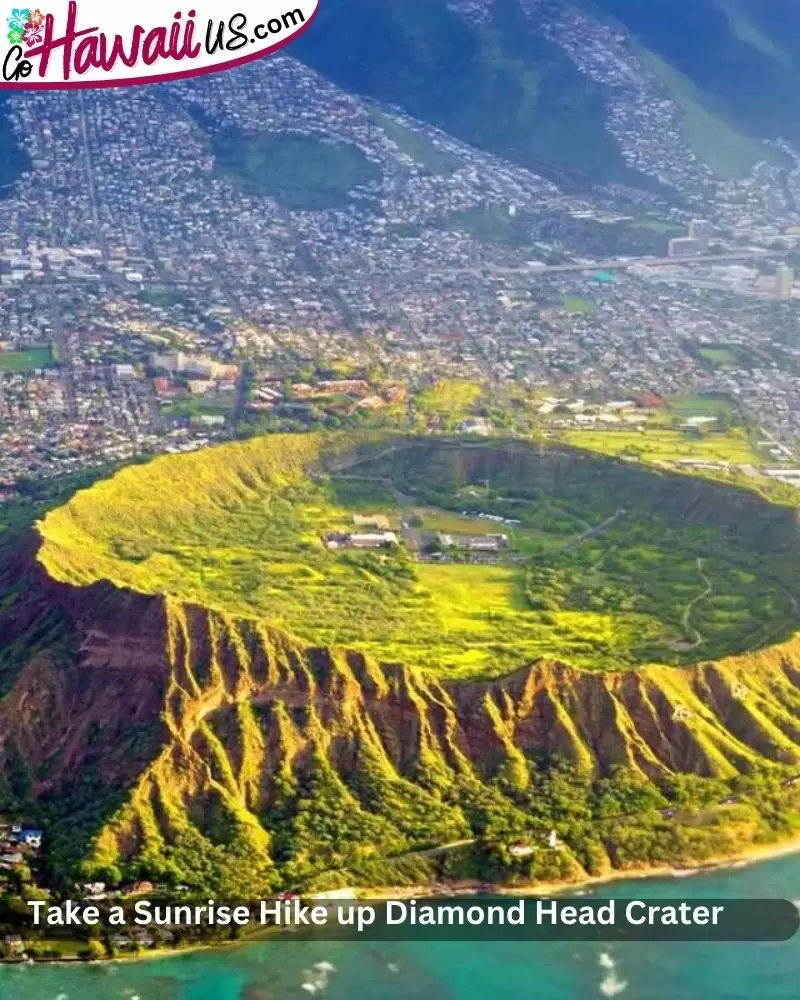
(611,985)
(317,977)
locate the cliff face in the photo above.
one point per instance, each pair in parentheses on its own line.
(191,721)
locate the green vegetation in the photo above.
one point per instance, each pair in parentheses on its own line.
(196,406)
(604,569)
(710,405)
(720,357)
(724,355)
(27,360)
(449,401)
(578,305)
(371,829)
(295,745)
(370,826)
(159,295)
(729,153)
(303,173)
(490,224)
(659,444)
(417,146)
(503,86)
(658,226)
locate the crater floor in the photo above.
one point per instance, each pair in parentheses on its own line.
(497,554)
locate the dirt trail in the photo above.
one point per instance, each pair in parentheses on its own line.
(596,531)
(686,622)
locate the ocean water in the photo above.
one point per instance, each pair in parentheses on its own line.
(289,970)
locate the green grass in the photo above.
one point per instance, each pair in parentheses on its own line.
(195,406)
(158,295)
(240,528)
(27,360)
(578,305)
(417,146)
(730,154)
(491,224)
(663,445)
(701,406)
(449,400)
(301,172)
(720,357)
(658,226)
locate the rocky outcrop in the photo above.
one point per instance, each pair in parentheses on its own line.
(170,705)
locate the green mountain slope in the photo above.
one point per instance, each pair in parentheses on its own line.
(741,54)
(504,88)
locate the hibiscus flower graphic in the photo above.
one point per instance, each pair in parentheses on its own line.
(15,36)
(32,34)
(18,19)
(35,18)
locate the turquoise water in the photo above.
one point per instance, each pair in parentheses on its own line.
(283,970)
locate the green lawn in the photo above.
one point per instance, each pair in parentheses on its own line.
(158,295)
(578,305)
(27,360)
(701,406)
(491,224)
(194,406)
(658,226)
(417,146)
(720,357)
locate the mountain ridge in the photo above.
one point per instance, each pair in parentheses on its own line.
(228,709)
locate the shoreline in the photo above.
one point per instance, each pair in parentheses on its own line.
(755,854)
(749,856)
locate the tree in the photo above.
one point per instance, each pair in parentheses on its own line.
(94,951)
